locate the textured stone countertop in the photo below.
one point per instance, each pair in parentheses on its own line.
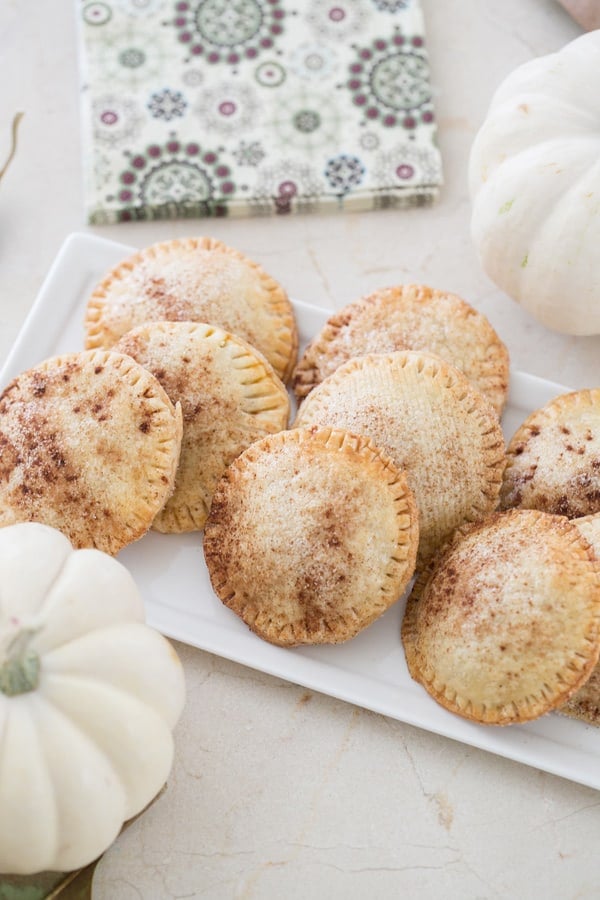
(279,792)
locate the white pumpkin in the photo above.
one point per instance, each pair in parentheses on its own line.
(534,177)
(89,696)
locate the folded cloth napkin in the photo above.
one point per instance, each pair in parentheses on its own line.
(249,107)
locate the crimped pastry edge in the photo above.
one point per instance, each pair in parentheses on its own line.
(166,451)
(307,374)
(393,581)
(493,458)
(572,679)
(178,517)
(551,413)
(285,337)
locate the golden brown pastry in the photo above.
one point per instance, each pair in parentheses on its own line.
(585,703)
(589,526)
(433,423)
(198,280)
(554,458)
(410,317)
(230,397)
(89,444)
(506,624)
(311,536)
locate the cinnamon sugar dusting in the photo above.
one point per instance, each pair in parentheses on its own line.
(432,423)
(554,458)
(84,442)
(409,317)
(505,625)
(229,394)
(309,538)
(200,281)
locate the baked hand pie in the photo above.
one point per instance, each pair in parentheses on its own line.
(89,444)
(434,424)
(229,395)
(585,703)
(505,624)
(553,459)
(409,317)
(311,536)
(198,280)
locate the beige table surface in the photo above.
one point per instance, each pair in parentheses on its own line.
(278,792)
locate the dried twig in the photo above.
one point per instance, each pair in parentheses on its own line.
(13,146)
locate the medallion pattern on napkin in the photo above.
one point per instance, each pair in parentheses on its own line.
(248,107)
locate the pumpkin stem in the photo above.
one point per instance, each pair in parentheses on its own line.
(20,669)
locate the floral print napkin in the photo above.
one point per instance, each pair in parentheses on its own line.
(249,107)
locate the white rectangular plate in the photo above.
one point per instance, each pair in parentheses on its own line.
(369,671)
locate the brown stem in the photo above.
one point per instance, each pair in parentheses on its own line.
(13,146)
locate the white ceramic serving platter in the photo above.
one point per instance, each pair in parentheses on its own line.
(369,671)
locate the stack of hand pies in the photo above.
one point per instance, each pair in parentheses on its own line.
(176,417)
(135,431)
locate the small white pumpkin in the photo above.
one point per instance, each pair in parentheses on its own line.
(534,175)
(89,696)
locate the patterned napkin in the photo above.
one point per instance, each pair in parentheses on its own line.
(249,107)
